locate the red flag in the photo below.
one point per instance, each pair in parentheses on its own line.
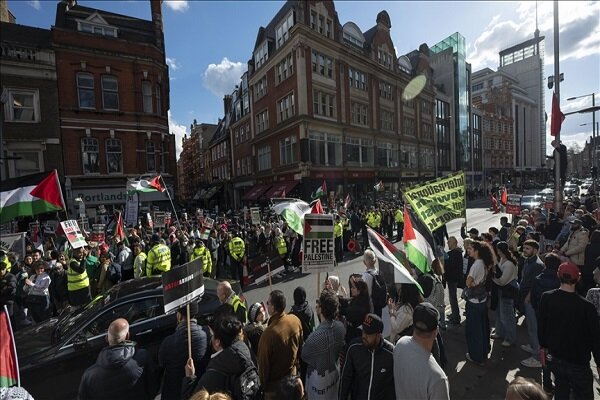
(317,208)
(557,117)
(9,364)
(504,198)
(155,183)
(119,232)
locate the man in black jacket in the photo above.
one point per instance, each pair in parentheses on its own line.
(368,370)
(173,352)
(121,371)
(454,276)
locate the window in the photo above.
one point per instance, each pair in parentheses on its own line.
(359,113)
(150,156)
(386,120)
(22,106)
(409,126)
(136,312)
(89,155)
(158,101)
(384,58)
(410,103)
(322,65)
(261,55)
(287,150)
(85,90)
(426,108)
(246,102)
(385,91)
(114,159)
(238,110)
(325,149)
(283,30)
(323,104)
(262,121)
(260,88)
(352,40)
(264,158)
(359,151)
(426,131)
(408,157)
(426,157)
(478,86)
(321,24)
(285,69)
(26,163)
(96,29)
(285,107)
(162,158)
(357,79)
(147,96)
(110,93)
(387,155)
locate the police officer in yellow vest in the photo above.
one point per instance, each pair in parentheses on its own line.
(226,295)
(78,283)
(237,249)
(338,234)
(201,251)
(159,257)
(399,217)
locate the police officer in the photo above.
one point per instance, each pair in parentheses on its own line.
(237,249)
(201,251)
(281,245)
(159,257)
(338,234)
(399,217)
(78,283)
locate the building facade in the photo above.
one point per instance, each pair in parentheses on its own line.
(113,99)
(193,174)
(31,140)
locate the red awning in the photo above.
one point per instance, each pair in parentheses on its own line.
(254,193)
(279,188)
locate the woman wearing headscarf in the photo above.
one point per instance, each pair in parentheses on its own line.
(255,327)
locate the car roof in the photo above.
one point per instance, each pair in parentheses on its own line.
(150,285)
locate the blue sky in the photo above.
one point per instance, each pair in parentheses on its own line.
(209,42)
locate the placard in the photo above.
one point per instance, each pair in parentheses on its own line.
(258,268)
(208,222)
(255,215)
(84,224)
(73,233)
(513,204)
(319,244)
(131,210)
(98,234)
(149,220)
(159,218)
(182,285)
(34,230)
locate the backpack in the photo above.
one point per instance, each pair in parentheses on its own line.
(113,274)
(379,293)
(246,386)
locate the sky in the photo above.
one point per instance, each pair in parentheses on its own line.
(208,44)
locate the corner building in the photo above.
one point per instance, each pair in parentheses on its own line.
(326,105)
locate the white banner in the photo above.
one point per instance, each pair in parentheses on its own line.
(131,210)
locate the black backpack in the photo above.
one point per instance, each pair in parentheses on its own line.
(246,386)
(379,293)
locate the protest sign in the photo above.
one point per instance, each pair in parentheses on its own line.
(513,204)
(255,215)
(73,233)
(318,243)
(159,218)
(549,202)
(84,224)
(149,220)
(208,222)
(131,210)
(439,201)
(13,242)
(258,268)
(182,285)
(50,227)
(97,234)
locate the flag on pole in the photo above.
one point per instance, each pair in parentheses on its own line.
(557,116)
(316,207)
(9,363)
(418,241)
(293,212)
(348,201)
(321,191)
(119,231)
(390,260)
(30,195)
(379,186)
(144,185)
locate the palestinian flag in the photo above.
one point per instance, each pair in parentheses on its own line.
(152,185)
(293,212)
(390,260)
(379,186)
(9,364)
(418,242)
(318,226)
(30,195)
(316,207)
(321,191)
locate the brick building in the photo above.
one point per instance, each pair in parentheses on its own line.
(30,118)
(113,98)
(326,105)
(193,173)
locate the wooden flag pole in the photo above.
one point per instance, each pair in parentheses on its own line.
(189,331)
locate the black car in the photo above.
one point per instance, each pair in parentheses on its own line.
(53,355)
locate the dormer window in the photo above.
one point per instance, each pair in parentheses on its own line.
(283,30)
(261,55)
(96,25)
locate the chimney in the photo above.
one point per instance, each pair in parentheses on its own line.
(227,99)
(156,9)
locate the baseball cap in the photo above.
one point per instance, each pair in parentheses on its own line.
(372,324)
(425,317)
(568,270)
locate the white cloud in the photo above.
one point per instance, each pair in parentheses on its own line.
(221,78)
(172,63)
(574,105)
(179,131)
(35,4)
(177,5)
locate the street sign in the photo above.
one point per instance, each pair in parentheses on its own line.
(318,243)
(513,204)
(182,285)
(73,233)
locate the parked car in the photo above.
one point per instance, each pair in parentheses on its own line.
(532,201)
(546,192)
(571,189)
(53,355)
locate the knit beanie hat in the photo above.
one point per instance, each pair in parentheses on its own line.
(253,312)
(299,296)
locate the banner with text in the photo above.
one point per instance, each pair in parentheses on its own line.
(440,201)
(182,285)
(513,204)
(73,233)
(258,267)
(318,243)
(13,242)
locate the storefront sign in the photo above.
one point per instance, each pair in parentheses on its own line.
(116,195)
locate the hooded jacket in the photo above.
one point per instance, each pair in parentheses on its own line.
(120,372)
(303,311)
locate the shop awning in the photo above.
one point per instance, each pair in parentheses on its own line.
(210,192)
(279,188)
(254,193)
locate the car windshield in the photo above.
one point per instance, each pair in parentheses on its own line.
(75,319)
